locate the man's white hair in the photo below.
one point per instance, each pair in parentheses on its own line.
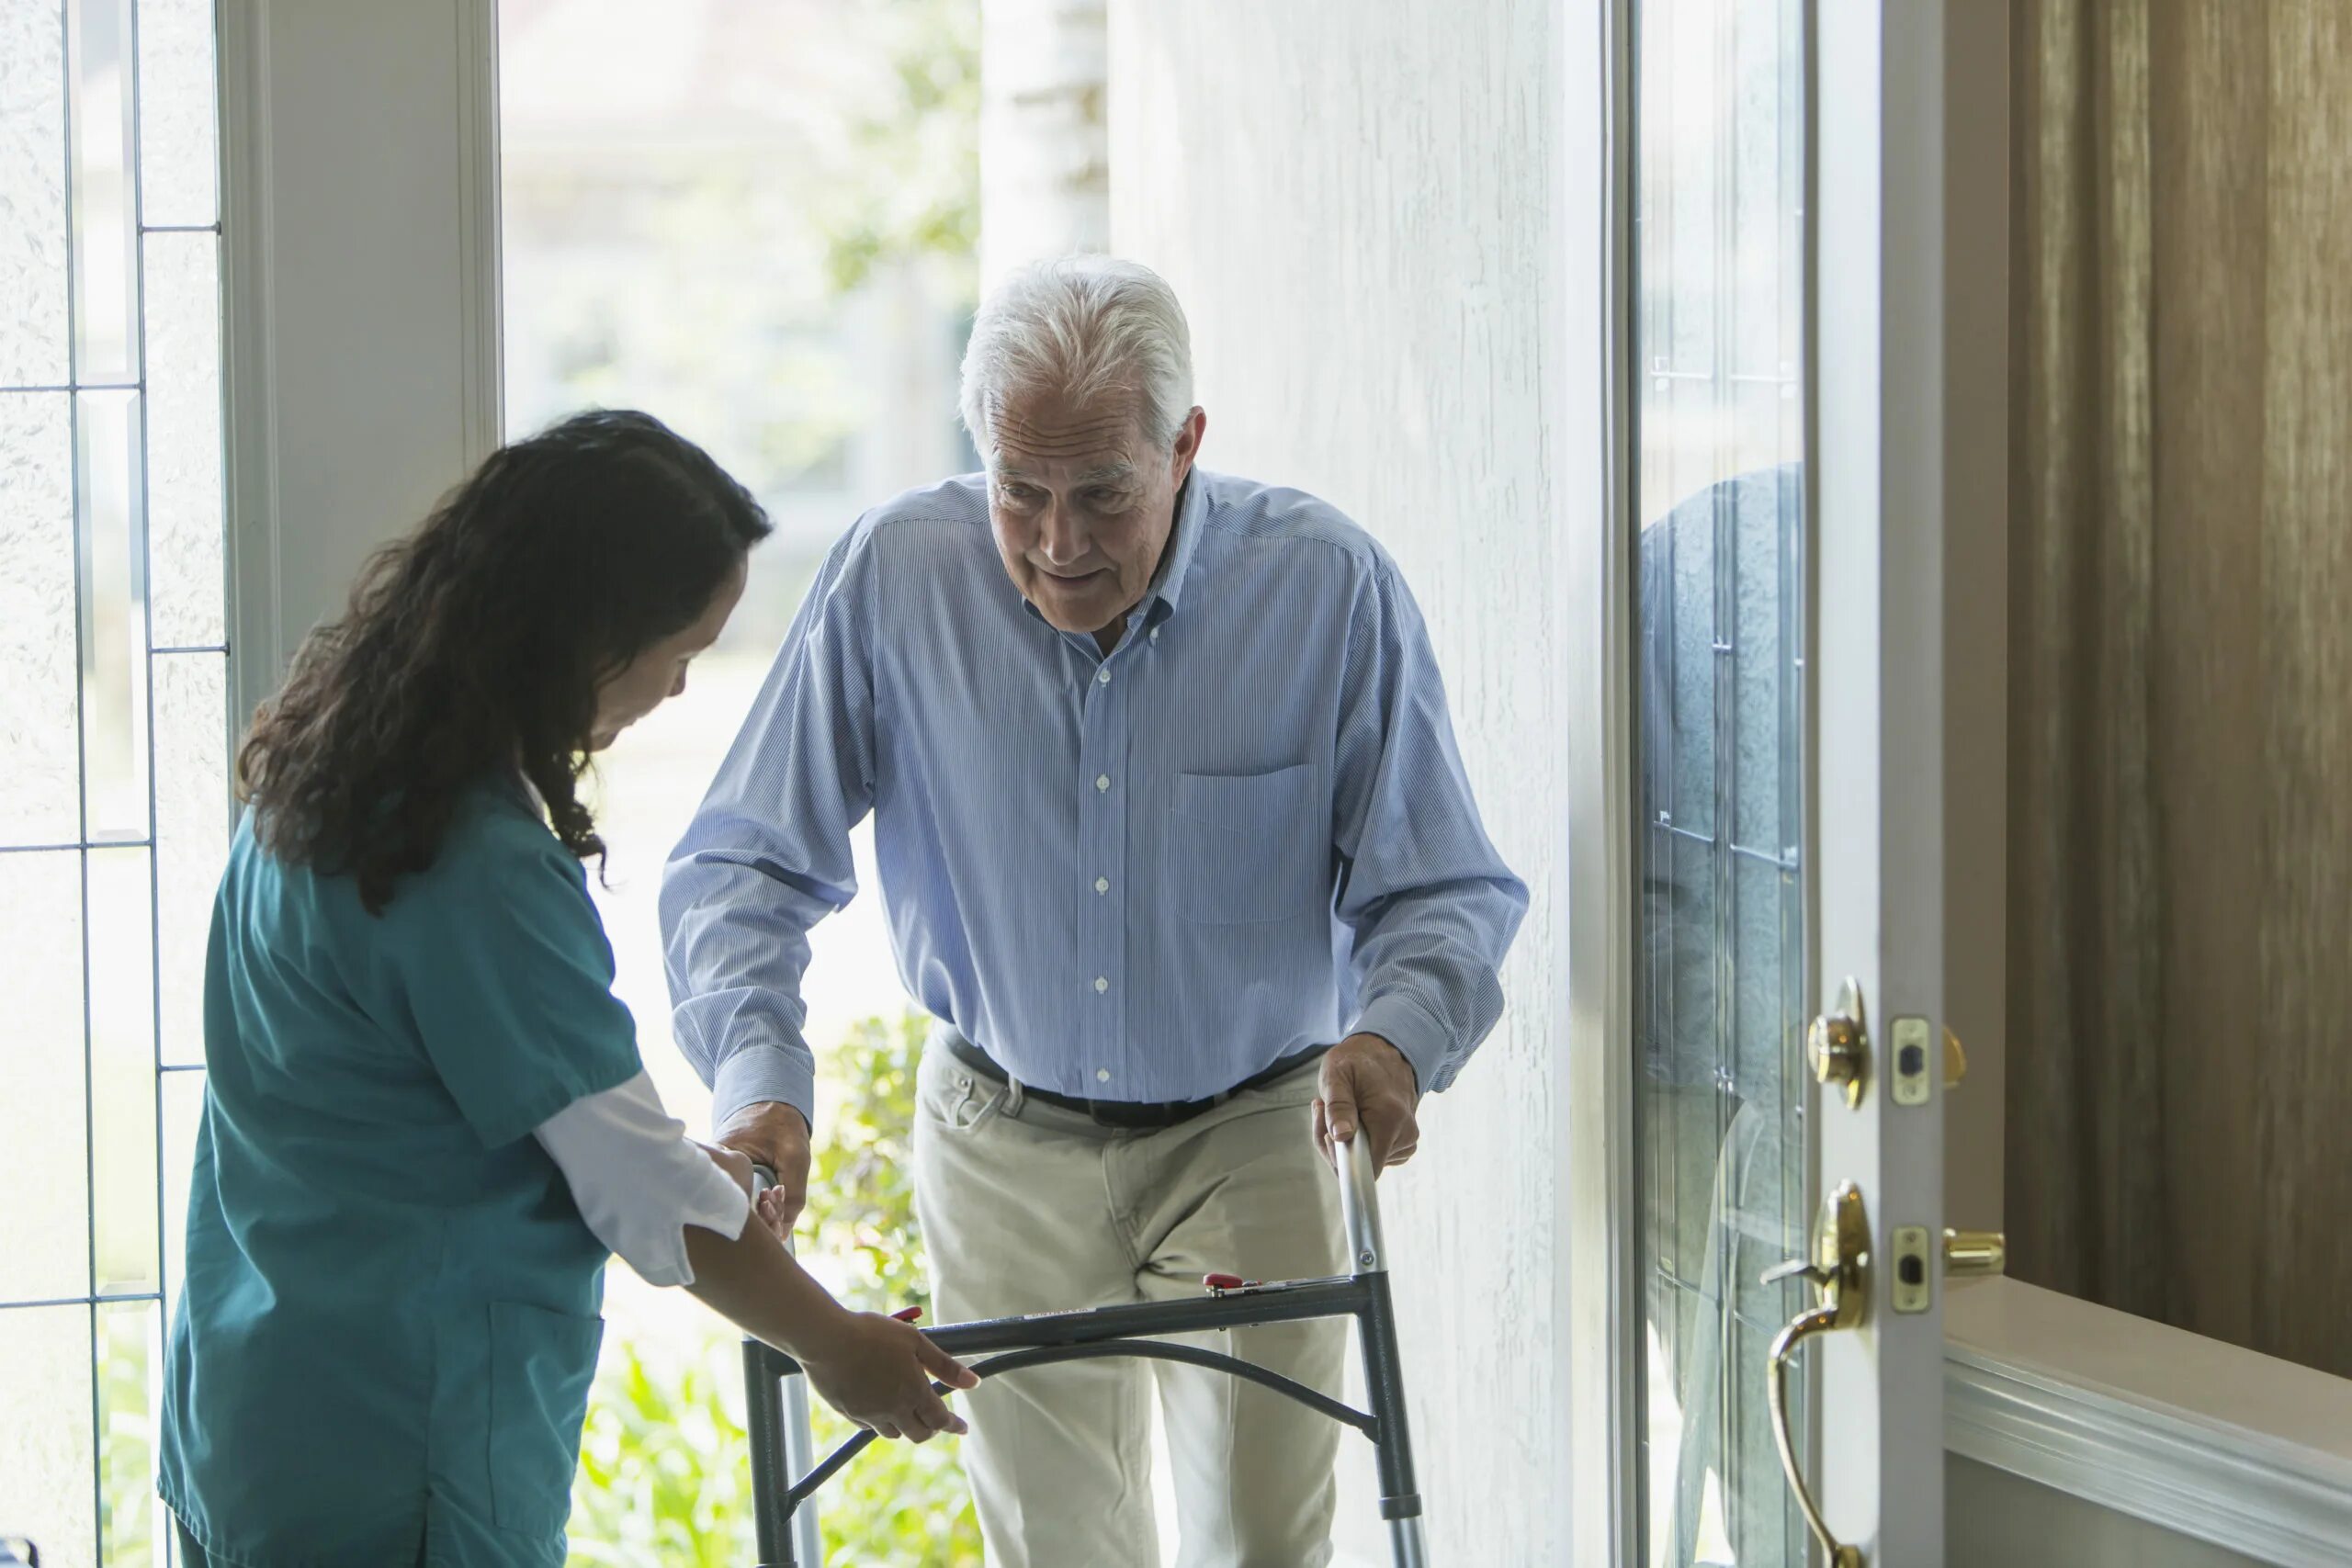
(1084,327)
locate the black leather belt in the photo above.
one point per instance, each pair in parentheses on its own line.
(1137,1114)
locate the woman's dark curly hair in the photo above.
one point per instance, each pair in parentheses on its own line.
(479,643)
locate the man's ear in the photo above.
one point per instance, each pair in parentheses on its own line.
(1189,437)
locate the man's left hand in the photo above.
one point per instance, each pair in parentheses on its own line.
(1368,1088)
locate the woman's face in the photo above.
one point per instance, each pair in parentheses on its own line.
(658,673)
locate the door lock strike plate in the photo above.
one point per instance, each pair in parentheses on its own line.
(1917,1062)
(1914,1276)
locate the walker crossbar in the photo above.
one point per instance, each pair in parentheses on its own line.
(776,1399)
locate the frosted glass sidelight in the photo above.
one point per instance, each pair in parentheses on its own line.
(34,332)
(179,136)
(44,1223)
(113,617)
(46,1448)
(39,788)
(184,489)
(122,1068)
(183,1100)
(131,1364)
(105,205)
(191,834)
(44,1233)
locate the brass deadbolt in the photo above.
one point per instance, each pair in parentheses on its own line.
(1837,1046)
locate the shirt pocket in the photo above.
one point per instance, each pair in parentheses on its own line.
(541,1363)
(1248,849)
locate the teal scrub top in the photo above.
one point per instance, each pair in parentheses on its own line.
(389,1313)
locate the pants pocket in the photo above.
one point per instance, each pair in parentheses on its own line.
(957,1097)
(541,1364)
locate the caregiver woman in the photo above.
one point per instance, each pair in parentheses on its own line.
(425,1122)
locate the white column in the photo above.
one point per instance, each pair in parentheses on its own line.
(359,271)
(1045,171)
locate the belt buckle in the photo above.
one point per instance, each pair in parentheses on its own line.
(1131,1116)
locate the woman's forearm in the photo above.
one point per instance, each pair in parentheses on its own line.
(754,1282)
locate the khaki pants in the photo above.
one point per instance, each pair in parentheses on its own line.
(1029,1208)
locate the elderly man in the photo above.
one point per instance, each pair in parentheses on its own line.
(1177,849)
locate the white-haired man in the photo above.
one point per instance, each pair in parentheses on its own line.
(1177,849)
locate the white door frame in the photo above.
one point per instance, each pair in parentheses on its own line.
(359,277)
(1876,739)
(1589,388)
(1965,168)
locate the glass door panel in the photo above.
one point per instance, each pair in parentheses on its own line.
(1716,347)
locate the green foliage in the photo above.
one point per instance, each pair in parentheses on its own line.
(915,191)
(127,1436)
(861,1194)
(663,1463)
(899,1503)
(664,1474)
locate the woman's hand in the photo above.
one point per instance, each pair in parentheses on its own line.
(769,1205)
(878,1371)
(778,1136)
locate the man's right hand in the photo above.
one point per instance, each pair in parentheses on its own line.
(878,1371)
(773,1135)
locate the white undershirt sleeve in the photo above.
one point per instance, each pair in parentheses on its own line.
(637,1180)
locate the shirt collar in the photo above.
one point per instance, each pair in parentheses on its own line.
(1176,560)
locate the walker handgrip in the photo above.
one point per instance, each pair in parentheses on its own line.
(1360,1207)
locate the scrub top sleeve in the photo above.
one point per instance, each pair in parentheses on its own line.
(509,978)
(638,1181)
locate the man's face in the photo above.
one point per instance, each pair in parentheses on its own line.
(1082,503)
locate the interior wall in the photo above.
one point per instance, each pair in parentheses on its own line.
(2181,860)
(1355,203)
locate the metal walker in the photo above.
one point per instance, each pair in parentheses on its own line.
(776,1395)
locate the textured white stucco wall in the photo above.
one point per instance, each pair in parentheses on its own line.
(1354,201)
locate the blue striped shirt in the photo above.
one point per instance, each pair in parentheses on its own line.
(1145,876)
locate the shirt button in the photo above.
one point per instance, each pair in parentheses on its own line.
(1102,782)
(1101,884)
(1155,634)
(1103,675)
(1101,1075)
(1101,985)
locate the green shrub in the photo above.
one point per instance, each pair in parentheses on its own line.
(664,1475)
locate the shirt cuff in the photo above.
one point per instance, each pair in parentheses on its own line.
(756,1074)
(719,1205)
(638,1183)
(1418,1038)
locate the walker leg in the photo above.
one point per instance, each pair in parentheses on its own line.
(807,1547)
(1401,1502)
(764,1420)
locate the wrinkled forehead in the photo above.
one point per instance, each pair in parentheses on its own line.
(1063,440)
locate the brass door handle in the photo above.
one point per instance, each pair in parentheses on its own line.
(1839,1270)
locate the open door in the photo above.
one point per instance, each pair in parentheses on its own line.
(1877,1049)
